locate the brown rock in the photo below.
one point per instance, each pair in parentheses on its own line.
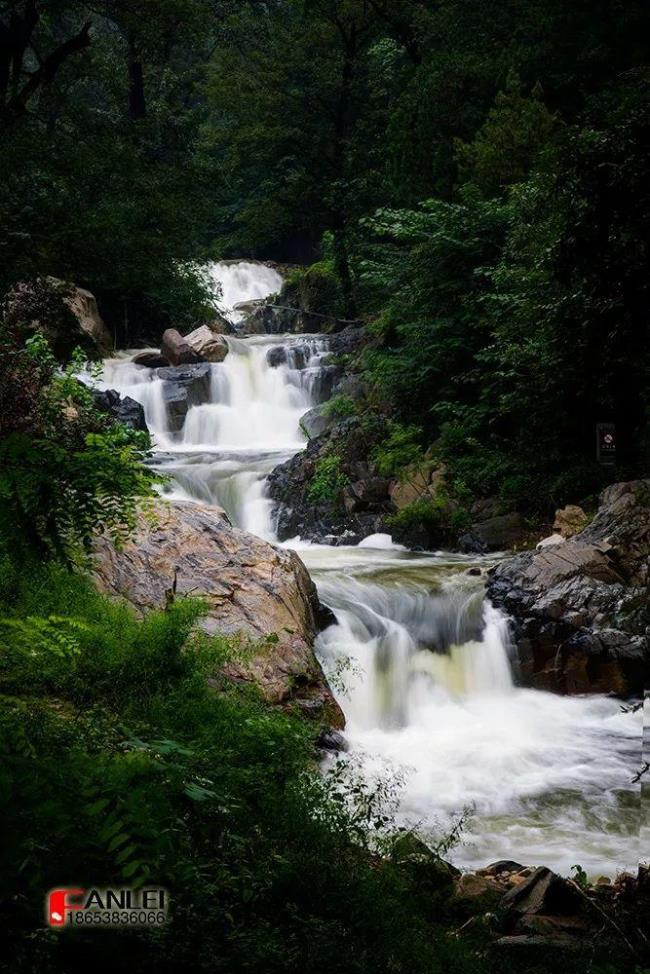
(210,346)
(252,589)
(83,305)
(471,886)
(151,359)
(67,315)
(177,350)
(570,520)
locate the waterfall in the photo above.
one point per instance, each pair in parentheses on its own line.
(241,281)
(422,668)
(219,429)
(420,663)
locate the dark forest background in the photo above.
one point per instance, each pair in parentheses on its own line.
(471,178)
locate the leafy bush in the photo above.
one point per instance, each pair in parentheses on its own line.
(130,769)
(67,471)
(340,406)
(328,480)
(400,449)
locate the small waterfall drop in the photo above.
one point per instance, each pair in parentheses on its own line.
(240,281)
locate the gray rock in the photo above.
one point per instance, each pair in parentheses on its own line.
(195,379)
(579,607)
(315,422)
(277,355)
(176,406)
(122,408)
(150,359)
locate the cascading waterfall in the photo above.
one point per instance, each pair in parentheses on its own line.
(421,665)
(422,668)
(248,423)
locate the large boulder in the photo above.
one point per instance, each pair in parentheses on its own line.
(177,350)
(316,421)
(122,408)
(210,346)
(150,358)
(253,589)
(67,315)
(579,608)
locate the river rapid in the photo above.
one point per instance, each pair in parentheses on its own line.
(420,663)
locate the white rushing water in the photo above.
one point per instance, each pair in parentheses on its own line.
(240,281)
(420,664)
(247,422)
(422,668)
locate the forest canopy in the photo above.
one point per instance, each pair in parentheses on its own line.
(472,177)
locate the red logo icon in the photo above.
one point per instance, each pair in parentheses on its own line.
(58,901)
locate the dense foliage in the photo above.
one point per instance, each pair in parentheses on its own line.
(469,180)
(474,178)
(67,471)
(127,767)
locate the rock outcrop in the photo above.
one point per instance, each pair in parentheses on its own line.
(122,408)
(251,588)
(353,501)
(185,386)
(177,350)
(495,534)
(208,345)
(581,607)
(67,315)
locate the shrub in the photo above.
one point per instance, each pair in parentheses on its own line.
(328,480)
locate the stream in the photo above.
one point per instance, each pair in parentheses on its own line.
(420,663)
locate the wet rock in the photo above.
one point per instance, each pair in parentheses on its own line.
(151,359)
(194,379)
(495,534)
(316,421)
(501,866)
(185,386)
(177,350)
(253,590)
(277,355)
(324,377)
(176,406)
(327,519)
(122,408)
(209,346)
(331,740)
(578,607)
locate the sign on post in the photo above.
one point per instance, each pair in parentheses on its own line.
(606,443)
